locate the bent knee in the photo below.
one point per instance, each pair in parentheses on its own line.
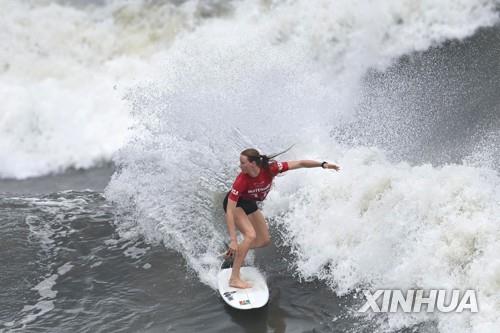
(250,235)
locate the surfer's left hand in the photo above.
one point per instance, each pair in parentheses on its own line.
(332,166)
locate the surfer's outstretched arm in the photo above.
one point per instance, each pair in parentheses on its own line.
(292,165)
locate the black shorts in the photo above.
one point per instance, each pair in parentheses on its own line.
(249,206)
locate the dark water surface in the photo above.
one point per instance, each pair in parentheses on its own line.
(64,268)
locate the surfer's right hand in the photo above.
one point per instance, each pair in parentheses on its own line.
(233,248)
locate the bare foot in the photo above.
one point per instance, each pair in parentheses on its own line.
(238,283)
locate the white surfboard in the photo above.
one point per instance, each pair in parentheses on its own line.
(244,299)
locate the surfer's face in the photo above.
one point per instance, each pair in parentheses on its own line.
(246,166)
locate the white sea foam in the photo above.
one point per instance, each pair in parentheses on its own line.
(44,288)
(37,310)
(64,69)
(135,252)
(47,236)
(96,264)
(64,268)
(396,226)
(45,302)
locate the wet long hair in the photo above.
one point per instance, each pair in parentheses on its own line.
(262,161)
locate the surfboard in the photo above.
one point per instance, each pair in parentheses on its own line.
(244,299)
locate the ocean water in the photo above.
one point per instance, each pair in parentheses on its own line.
(121,126)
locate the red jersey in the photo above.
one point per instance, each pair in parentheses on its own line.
(256,188)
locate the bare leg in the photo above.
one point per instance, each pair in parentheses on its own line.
(259,224)
(245,227)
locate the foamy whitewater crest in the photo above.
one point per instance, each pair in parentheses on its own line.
(63,73)
(356,36)
(255,78)
(380,225)
(64,69)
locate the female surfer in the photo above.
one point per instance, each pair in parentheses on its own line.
(252,185)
